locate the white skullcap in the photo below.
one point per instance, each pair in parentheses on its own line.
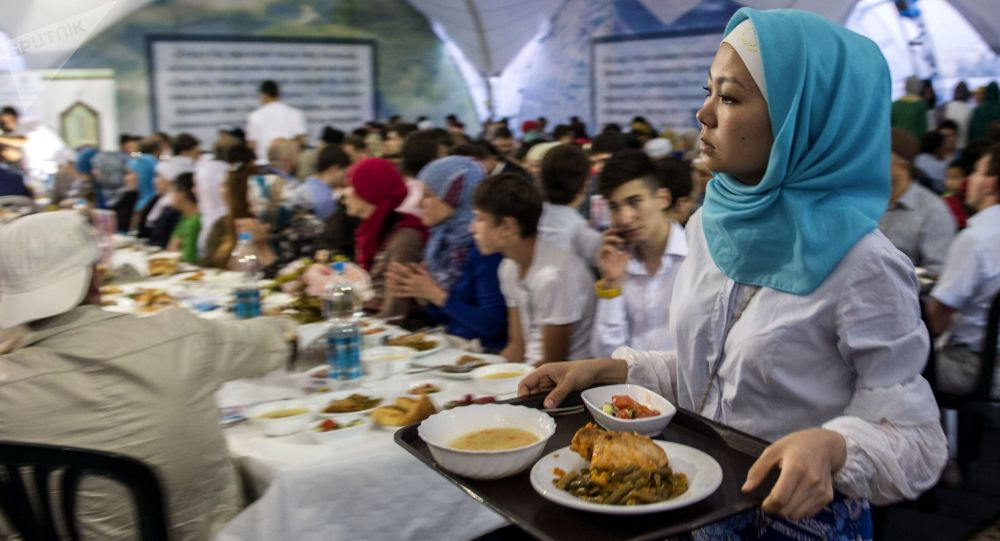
(743,39)
(658,148)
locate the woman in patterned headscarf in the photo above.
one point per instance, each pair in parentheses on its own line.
(459,284)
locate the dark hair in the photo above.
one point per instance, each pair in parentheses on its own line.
(332,136)
(994,153)
(511,195)
(330,156)
(607,142)
(674,174)
(361,132)
(240,153)
(612,127)
(184,183)
(563,130)
(992,133)
(149,145)
(270,88)
(8,110)
(971,154)
(421,148)
(564,171)
(625,166)
(356,141)
(948,124)
(184,142)
(471,150)
(403,129)
(488,147)
(126,138)
(931,141)
(503,132)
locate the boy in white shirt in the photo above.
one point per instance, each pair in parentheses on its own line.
(549,295)
(563,177)
(639,256)
(274,119)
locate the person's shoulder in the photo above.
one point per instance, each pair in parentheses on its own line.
(556,263)
(873,254)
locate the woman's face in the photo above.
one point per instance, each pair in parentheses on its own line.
(735,124)
(433,209)
(982,185)
(356,206)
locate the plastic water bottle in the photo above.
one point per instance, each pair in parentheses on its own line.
(243,259)
(343,335)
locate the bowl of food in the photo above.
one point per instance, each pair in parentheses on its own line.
(629,408)
(281,417)
(328,431)
(500,378)
(385,361)
(487,441)
(374,334)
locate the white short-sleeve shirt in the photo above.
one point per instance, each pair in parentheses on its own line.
(272,121)
(557,290)
(971,278)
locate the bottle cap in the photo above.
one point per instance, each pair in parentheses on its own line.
(246,235)
(338,267)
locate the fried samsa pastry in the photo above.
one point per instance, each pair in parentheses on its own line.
(617,450)
(405,411)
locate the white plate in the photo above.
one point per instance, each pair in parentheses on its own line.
(319,401)
(418,357)
(703,472)
(488,357)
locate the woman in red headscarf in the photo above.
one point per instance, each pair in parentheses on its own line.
(384,236)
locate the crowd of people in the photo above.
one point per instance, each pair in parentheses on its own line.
(759,272)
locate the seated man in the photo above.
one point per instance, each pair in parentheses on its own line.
(144,387)
(563,175)
(319,192)
(917,221)
(960,302)
(548,291)
(639,256)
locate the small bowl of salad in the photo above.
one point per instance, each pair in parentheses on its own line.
(629,408)
(330,431)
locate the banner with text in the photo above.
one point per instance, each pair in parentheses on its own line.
(201,84)
(659,77)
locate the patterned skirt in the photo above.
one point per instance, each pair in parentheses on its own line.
(844,519)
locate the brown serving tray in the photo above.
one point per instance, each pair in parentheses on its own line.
(515,499)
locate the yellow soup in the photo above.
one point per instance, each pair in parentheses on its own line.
(494,439)
(278,414)
(503,375)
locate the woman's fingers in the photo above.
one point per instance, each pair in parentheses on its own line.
(761,467)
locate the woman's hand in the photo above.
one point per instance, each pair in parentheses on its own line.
(562,378)
(612,257)
(413,280)
(807,460)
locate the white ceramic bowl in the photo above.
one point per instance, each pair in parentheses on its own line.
(440,429)
(376,339)
(281,426)
(651,426)
(334,436)
(385,361)
(483,380)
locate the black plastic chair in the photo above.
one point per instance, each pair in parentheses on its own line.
(976,406)
(36,522)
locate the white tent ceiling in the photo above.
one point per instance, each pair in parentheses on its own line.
(489,32)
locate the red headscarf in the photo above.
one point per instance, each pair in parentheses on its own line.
(378,182)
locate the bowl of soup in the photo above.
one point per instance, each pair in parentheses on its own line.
(499,378)
(487,441)
(281,417)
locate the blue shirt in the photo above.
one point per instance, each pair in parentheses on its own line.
(145,171)
(316,195)
(475,307)
(12,183)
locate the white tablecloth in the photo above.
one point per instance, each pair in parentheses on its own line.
(365,487)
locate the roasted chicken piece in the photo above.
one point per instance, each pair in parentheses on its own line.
(617,450)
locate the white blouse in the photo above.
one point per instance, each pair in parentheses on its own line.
(846,357)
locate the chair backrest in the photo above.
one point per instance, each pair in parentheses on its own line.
(988,357)
(37,521)
(15,206)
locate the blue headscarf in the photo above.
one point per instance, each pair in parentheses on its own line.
(827,178)
(454,179)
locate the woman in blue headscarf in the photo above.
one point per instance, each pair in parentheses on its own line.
(458,284)
(796,319)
